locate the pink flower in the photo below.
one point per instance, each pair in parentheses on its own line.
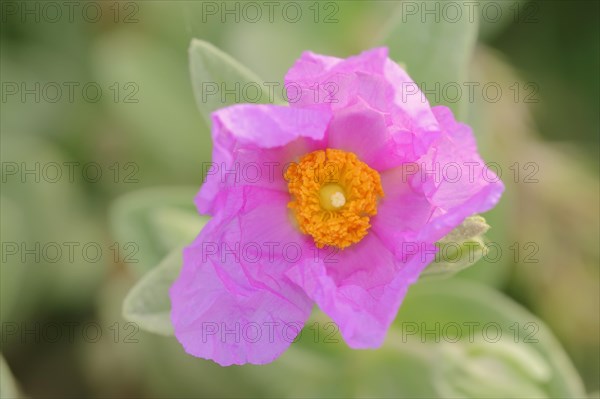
(336,200)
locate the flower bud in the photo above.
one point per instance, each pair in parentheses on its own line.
(502,369)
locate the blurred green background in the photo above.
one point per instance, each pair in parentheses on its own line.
(145,136)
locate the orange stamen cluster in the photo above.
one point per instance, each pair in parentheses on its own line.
(334,195)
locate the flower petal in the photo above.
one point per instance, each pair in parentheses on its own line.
(232,302)
(369,81)
(427,199)
(361,287)
(253,143)
(403,212)
(322,82)
(369,134)
(454,178)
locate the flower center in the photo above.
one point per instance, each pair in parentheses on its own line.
(334,195)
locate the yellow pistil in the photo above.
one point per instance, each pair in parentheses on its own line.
(334,195)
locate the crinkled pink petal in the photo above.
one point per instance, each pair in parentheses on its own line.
(454,178)
(370,135)
(253,143)
(232,302)
(322,82)
(319,82)
(411,105)
(426,199)
(403,212)
(370,75)
(360,287)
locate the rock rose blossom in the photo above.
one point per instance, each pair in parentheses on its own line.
(336,200)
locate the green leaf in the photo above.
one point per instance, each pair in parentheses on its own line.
(153,222)
(148,304)
(8,385)
(436,53)
(464,370)
(175,226)
(494,336)
(214,73)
